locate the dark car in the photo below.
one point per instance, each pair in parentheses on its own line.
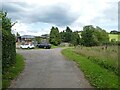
(44,45)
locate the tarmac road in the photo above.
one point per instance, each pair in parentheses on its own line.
(48,68)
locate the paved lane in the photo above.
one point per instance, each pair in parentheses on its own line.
(48,68)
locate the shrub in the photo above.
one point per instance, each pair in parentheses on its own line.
(8,50)
(8,42)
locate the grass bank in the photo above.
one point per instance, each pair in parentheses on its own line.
(98,77)
(106,58)
(13,72)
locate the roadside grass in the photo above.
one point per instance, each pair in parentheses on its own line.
(13,72)
(106,58)
(53,46)
(98,77)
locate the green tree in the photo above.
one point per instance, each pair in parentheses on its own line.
(55,38)
(89,39)
(8,42)
(75,38)
(38,39)
(102,35)
(18,34)
(62,35)
(68,35)
(94,36)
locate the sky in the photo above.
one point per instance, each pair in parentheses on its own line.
(36,17)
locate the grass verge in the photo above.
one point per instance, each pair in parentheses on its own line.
(53,46)
(98,77)
(13,72)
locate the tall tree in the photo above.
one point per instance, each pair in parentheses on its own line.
(62,34)
(68,35)
(18,34)
(75,38)
(94,36)
(8,42)
(102,35)
(55,38)
(88,37)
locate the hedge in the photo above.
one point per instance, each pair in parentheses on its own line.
(8,50)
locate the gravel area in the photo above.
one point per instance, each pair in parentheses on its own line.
(48,68)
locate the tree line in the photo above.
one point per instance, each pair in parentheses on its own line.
(67,35)
(89,36)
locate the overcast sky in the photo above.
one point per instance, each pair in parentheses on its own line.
(36,17)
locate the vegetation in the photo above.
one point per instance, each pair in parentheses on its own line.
(66,35)
(55,36)
(90,36)
(106,58)
(13,71)
(113,37)
(98,76)
(17,34)
(12,64)
(69,36)
(38,39)
(8,43)
(93,36)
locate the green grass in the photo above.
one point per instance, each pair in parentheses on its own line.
(113,36)
(98,77)
(13,72)
(53,46)
(106,58)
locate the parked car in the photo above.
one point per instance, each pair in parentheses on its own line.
(44,45)
(27,46)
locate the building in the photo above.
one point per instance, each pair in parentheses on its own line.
(25,39)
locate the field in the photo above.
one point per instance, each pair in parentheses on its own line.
(100,65)
(113,36)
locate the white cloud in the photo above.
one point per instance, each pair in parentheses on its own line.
(74,13)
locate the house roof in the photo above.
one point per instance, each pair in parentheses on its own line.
(27,36)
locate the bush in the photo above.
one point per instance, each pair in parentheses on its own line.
(8,50)
(8,42)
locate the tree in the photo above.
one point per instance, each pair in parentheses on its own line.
(68,35)
(38,39)
(18,34)
(75,38)
(62,35)
(55,38)
(8,42)
(89,39)
(94,36)
(102,35)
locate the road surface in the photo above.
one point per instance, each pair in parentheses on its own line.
(48,68)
